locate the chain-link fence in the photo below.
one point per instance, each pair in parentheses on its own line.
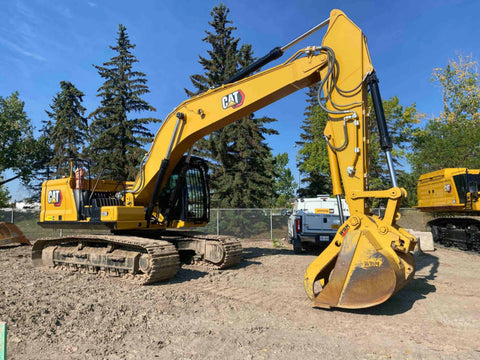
(261,224)
(243,223)
(248,223)
(26,220)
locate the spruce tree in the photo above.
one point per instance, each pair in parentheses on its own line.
(242,162)
(67,127)
(42,169)
(117,140)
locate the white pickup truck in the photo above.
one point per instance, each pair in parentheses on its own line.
(314,222)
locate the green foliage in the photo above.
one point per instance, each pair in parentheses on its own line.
(277,243)
(443,144)
(223,57)
(313,155)
(17,144)
(117,140)
(67,128)
(43,156)
(284,183)
(246,177)
(408,181)
(401,122)
(4,196)
(452,139)
(241,161)
(460,87)
(62,137)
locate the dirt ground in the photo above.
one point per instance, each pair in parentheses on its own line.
(256,310)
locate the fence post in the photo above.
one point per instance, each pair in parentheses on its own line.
(12,217)
(271,224)
(218,223)
(3,341)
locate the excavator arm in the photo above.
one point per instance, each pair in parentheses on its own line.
(370,257)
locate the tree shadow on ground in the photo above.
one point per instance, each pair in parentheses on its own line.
(417,289)
(284,249)
(187,273)
(256,252)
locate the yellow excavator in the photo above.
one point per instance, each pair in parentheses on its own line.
(369,259)
(452,196)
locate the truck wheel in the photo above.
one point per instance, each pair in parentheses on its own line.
(297,246)
(289,239)
(435,233)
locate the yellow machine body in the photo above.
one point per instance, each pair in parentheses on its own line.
(59,209)
(452,196)
(448,190)
(370,257)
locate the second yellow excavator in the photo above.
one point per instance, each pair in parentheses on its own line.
(370,257)
(452,196)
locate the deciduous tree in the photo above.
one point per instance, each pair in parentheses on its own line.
(17,144)
(453,138)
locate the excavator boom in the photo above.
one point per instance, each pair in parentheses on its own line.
(217,108)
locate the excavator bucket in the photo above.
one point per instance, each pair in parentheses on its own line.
(10,234)
(362,267)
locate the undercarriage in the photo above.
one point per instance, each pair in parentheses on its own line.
(133,258)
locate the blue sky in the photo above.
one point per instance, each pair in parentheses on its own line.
(43,42)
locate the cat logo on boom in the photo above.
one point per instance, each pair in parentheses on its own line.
(233,100)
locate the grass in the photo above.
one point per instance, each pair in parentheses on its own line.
(278,243)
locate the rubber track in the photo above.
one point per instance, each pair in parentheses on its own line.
(164,258)
(232,247)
